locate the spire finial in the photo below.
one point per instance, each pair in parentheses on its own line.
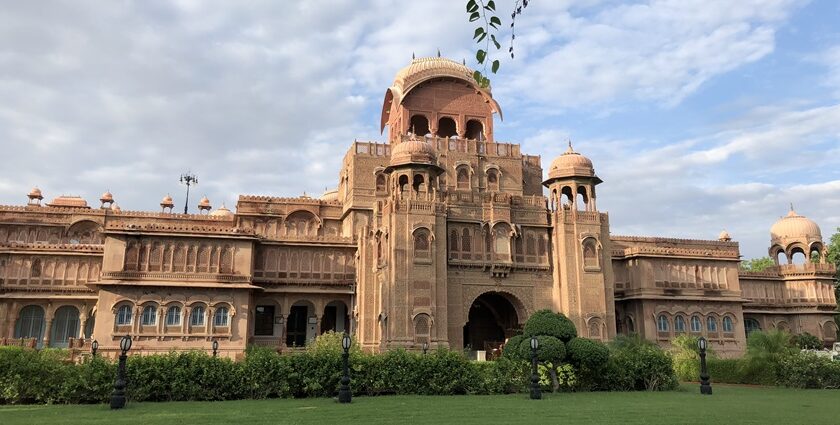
(791,206)
(464,62)
(412,56)
(570,149)
(438,51)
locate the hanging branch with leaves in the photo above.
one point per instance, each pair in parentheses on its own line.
(486,34)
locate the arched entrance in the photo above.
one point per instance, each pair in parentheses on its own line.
(491,320)
(65,326)
(31,324)
(336,317)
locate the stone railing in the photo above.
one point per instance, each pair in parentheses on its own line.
(176,276)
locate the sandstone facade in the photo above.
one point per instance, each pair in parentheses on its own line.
(441,236)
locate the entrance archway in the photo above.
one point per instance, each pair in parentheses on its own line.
(492,319)
(65,326)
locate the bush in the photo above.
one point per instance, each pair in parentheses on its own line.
(764,352)
(806,341)
(807,370)
(638,367)
(511,348)
(550,349)
(587,353)
(547,322)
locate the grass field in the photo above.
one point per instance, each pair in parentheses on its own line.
(728,405)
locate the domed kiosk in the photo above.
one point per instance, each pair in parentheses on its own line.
(796,234)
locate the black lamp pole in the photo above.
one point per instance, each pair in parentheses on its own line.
(93,347)
(188,179)
(118,396)
(705,385)
(536,393)
(344,395)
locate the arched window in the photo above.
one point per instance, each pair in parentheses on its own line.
(679,324)
(453,244)
(149,316)
(581,200)
(463,178)
(492,180)
(380,182)
(197,315)
(446,127)
(124,315)
(155,256)
(595,328)
(35,270)
(711,324)
(419,125)
(466,244)
(474,130)
(31,323)
(418,183)
(65,326)
(221,317)
(421,243)
(662,323)
(501,234)
(727,325)
(132,256)
(590,253)
(751,325)
(696,324)
(421,328)
(173,316)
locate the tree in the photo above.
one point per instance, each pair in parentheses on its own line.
(485,34)
(757,264)
(834,258)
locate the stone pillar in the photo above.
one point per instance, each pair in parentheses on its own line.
(82,322)
(48,331)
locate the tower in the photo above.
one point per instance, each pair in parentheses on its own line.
(583,276)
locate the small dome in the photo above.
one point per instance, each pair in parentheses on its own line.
(35,193)
(724,236)
(330,195)
(167,202)
(222,212)
(204,204)
(571,164)
(794,226)
(107,197)
(414,151)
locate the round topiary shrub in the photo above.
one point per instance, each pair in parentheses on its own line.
(511,349)
(551,349)
(588,353)
(547,322)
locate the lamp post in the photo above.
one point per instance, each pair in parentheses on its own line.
(215,347)
(425,347)
(344,395)
(93,347)
(705,385)
(188,179)
(536,393)
(118,396)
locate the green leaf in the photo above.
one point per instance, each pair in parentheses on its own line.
(495,21)
(485,82)
(480,55)
(481,38)
(496,43)
(477,76)
(495,66)
(472,6)
(478,32)
(474,16)
(491,5)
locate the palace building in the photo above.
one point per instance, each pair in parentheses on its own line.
(443,236)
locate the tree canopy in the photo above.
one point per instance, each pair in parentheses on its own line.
(757,264)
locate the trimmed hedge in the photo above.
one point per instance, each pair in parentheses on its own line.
(547,322)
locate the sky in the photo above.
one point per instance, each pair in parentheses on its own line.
(699,115)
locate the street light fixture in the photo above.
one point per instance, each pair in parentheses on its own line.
(188,179)
(705,385)
(344,395)
(536,393)
(93,347)
(118,396)
(215,347)
(425,347)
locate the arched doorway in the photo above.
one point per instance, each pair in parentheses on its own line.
(335,318)
(65,326)
(300,326)
(492,319)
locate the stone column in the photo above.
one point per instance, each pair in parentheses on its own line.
(47,332)
(82,322)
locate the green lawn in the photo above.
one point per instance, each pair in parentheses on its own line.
(728,405)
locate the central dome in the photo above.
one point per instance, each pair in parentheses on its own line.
(795,226)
